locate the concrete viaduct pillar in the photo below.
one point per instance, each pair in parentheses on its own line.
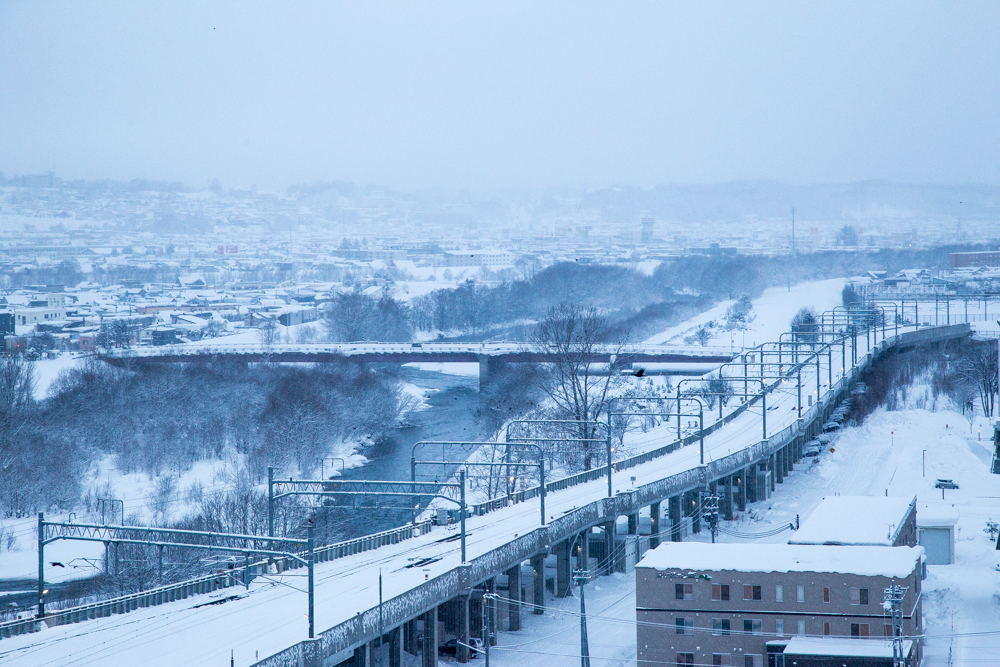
(488,366)
(654,525)
(564,580)
(429,650)
(538,588)
(741,490)
(514,598)
(410,637)
(386,651)
(633,524)
(674,505)
(462,631)
(693,510)
(727,498)
(609,547)
(750,479)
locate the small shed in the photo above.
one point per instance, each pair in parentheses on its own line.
(936,532)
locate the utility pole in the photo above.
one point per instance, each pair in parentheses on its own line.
(893,604)
(581,577)
(487,602)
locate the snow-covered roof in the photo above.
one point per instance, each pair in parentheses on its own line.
(936,515)
(859,520)
(844,648)
(866,561)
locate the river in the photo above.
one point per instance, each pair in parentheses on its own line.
(450,415)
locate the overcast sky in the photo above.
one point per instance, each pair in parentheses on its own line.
(487,95)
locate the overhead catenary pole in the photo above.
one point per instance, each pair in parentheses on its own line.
(41,565)
(270,505)
(312,560)
(461,510)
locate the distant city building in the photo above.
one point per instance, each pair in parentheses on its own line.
(647,229)
(962,259)
(488,258)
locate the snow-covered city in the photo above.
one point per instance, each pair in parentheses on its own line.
(526,334)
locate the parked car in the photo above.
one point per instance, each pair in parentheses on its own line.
(831,426)
(812,451)
(450,647)
(945,484)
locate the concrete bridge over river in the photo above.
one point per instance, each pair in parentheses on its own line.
(696,359)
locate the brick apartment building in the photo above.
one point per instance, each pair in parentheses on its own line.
(774,605)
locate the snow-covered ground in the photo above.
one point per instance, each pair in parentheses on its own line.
(882,456)
(47,371)
(774,309)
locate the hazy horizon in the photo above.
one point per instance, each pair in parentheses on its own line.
(503,96)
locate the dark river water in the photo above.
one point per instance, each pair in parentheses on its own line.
(449,415)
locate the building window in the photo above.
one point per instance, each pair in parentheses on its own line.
(720,592)
(779,593)
(802,628)
(859,629)
(682,623)
(779,627)
(752,627)
(751,592)
(685,659)
(683,591)
(722,658)
(887,629)
(800,593)
(826,628)
(826,594)
(750,660)
(720,626)
(859,596)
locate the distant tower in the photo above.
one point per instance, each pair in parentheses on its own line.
(647,229)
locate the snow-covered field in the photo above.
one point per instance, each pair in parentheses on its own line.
(775,309)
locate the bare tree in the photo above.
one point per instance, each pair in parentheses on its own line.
(268,334)
(978,367)
(17,402)
(584,368)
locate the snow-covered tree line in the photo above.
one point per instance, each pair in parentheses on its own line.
(163,419)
